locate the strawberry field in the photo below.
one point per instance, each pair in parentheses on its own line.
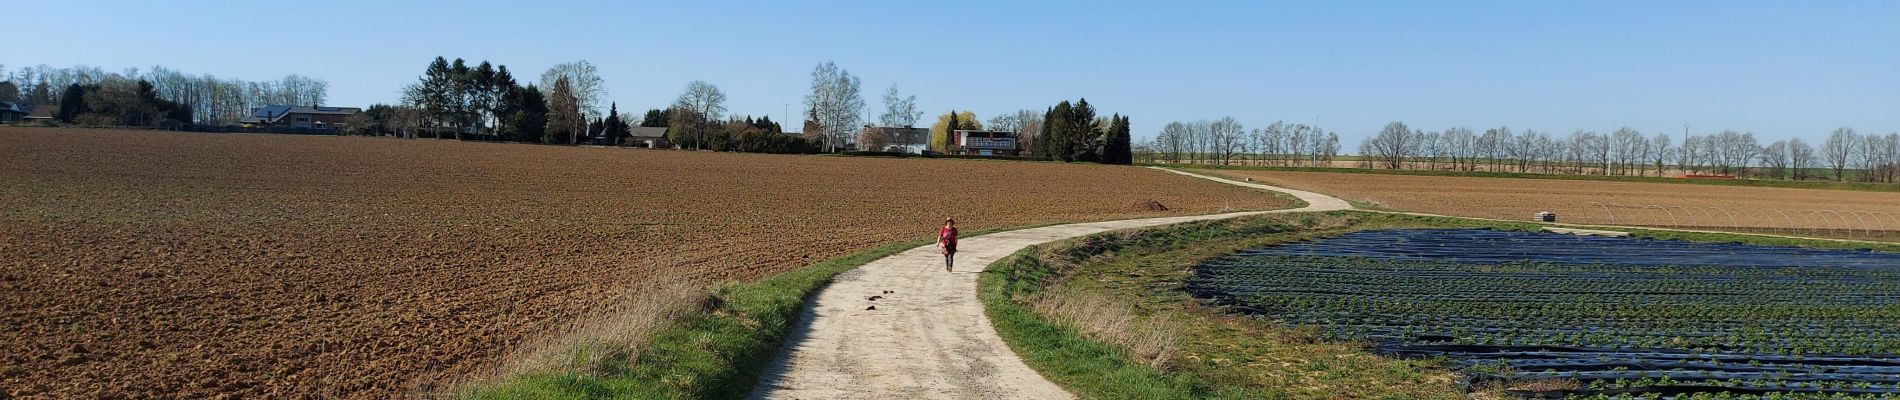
(1594,317)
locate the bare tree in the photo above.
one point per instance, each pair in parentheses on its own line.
(1626,150)
(1492,146)
(1272,142)
(1839,149)
(1659,151)
(1878,157)
(835,102)
(1027,124)
(1800,157)
(706,101)
(585,80)
(1173,141)
(1226,137)
(1774,158)
(900,110)
(1462,148)
(1392,145)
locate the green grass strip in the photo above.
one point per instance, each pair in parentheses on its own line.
(1087,368)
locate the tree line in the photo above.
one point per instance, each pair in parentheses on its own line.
(210,100)
(1227,141)
(1624,151)
(485,101)
(119,102)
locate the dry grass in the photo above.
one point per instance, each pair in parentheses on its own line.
(1153,340)
(1105,282)
(594,346)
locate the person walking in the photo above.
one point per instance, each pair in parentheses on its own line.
(947,242)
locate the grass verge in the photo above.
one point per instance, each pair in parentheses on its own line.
(1131,281)
(1827,185)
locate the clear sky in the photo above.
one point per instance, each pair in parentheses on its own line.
(1777,68)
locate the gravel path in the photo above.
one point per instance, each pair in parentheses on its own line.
(927,337)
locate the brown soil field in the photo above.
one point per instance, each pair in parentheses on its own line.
(1850,214)
(151,264)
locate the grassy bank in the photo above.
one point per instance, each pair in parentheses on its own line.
(1106,316)
(1827,185)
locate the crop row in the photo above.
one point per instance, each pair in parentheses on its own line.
(1623,317)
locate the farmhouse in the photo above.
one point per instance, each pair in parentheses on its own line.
(13,112)
(41,113)
(898,139)
(984,143)
(299,117)
(647,136)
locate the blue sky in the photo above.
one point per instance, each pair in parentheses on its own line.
(1777,68)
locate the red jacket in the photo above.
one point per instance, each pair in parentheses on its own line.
(947,238)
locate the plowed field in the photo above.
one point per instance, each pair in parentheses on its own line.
(1834,213)
(152,264)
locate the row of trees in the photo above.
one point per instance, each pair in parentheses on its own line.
(1877,157)
(1072,132)
(1227,141)
(453,99)
(211,100)
(117,101)
(697,120)
(1626,151)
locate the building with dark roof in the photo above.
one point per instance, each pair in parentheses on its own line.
(299,117)
(41,113)
(985,143)
(647,136)
(14,112)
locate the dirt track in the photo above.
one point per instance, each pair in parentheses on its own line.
(152,264)
(929,337)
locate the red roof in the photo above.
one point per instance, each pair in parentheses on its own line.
(44,111)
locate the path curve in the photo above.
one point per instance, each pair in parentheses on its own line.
(929,338)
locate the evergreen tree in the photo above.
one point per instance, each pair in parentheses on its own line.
(431,93)
(1057,126)
(656,118)
(1116,148)
(529,120)
(617,130)
(72,103)
(950,132)
(765,124)
(481,94)
(564,114)
(460,84)
(1084,133)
